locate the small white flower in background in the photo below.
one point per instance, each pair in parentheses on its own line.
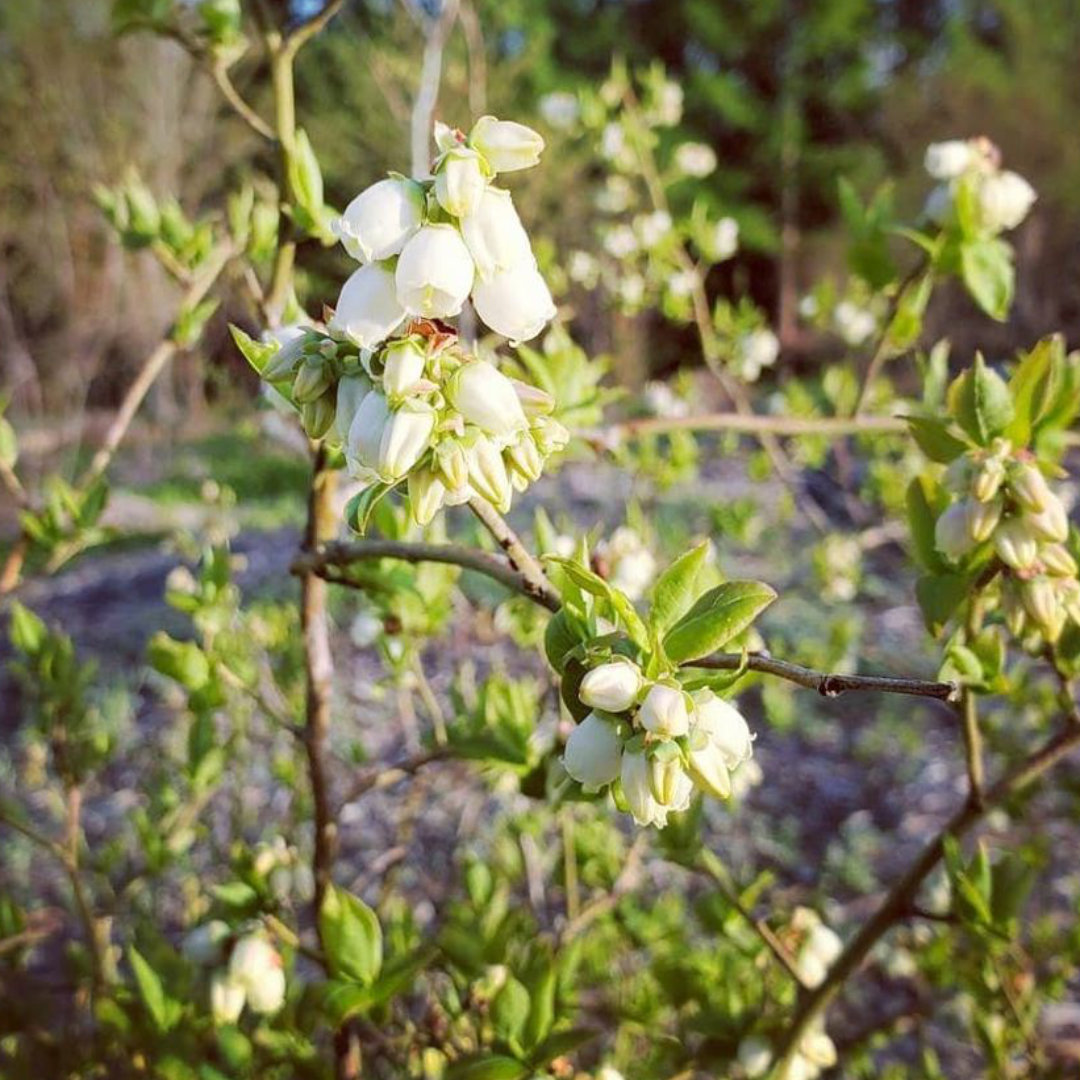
(378,222)
(593,752)
(948,160)
(560,109)
(365,629)
(1005,200)
(653,228)
(755,351)
(368,310)
(661,400)
(227,998)
(621,242)
(631,291)
(515,303)
(819,949)
(755,1056)
(612,141)
(725,239)
(583,269)
(631,565)
(695,159)
(494,235)
(683,283)
(507,146)
(616,195)
(256,966)
(809,307)
(854,324)
(435,272)
(609,1072)
(613,687)
(668,105)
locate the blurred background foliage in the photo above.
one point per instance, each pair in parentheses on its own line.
(791,94)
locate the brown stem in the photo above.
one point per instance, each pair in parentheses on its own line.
(836,427)
(387,776)
(223,79)
(897,904)
(319,671)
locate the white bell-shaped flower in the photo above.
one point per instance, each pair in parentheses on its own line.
(613,687)
(1016,544)
(818,953)
(634,773)
(386,441)
(378,222)
(515,302)
(507,145)
(494,234)
(725,727)
(664,711)
(351,391)
(487,473)
(1005,199)
(403,365)
(952,532)
(947,160)
(368,310)
(460,181)
(592,752)
(227,997)
(427,493)
(486,398)
(256,966)
(434,273)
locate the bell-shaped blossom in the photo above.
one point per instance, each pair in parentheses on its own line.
(1030,488)
(515,302)
(1016,544)
(486,398)
(227,998)
(379,221)
(613,687)
(1052,522)
(506,145)
(643,776)
(952,533)
(368,310)
(256,966)
(665,711)
(204,944)
(389,442)
(819,949)
(494,235)
(525,460)
(460,181)
(725,726)
(427,493)
(593,752)
(403,365)
(948,160)
(1005,199)
(351,391)
(487,473)
(434,273)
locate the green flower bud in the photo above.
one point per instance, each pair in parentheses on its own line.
(452,463)
(488,475)
(426,495)
(318,416)
(1057,560)
(1040,600)
(525,458)
(988,480)
(1016,544)
(312,380)
(1030,488)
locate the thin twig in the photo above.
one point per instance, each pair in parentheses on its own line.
(836,427)
(312,25)
(388,775)
(223,79)
(897,903)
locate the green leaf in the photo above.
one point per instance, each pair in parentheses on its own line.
(27,631)
(559,1043)
(183,661)
(9,444)
(509,1011)
(934,439)
(1013,880)
(542,1012)
(150,989)
(986,267)
(720,615)
(922,520)
(979,400)
(939,596)
(1035,385)
(559,639)
(359,508)
(595,585)
(676,588)
(488,1067)
(257,353)
(351,937)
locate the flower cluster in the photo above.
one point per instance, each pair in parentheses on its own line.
(658,740)
(1001,498)
(254,975)
(428,245)
(819,946)
(973,184)
(815,1054)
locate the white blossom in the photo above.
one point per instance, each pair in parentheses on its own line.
(653,228)
(378,222)
(351,391)
(754,351)
(494,235)
(434,273)
(631,565)
(855,324)
(665,711)
(515,303)
(403,365)
(560,109)
(507,146)
(227,997)
(613,687)
(725,239)
(583,268)
(368,310)
(948,160)
(486,398)
(1005,199)
(460,181)
(256,966)
(593,752)
(695,159)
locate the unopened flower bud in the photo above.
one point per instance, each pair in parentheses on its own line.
(551,437)
(507,146)
(1030,488)
(368,310)
(434,273)
(988,479)
(534,401)
(1069,598)
(515,302)
(1040,600)
(494,235)
(947,160)
(283,363)
(664,711)
(524,458)
(403,365)
(379,221)
(405,439)
(1057,560)
(613,687)
(452,462)
(487,473)
(593,752)
(311,380)
(1016,545)
(635,776)
(486,398)
(460,181)
(983,518)
(1051,523)
(952,533)
(667,781)
(958,474)
(318,416)
(427,493)
(227,997)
